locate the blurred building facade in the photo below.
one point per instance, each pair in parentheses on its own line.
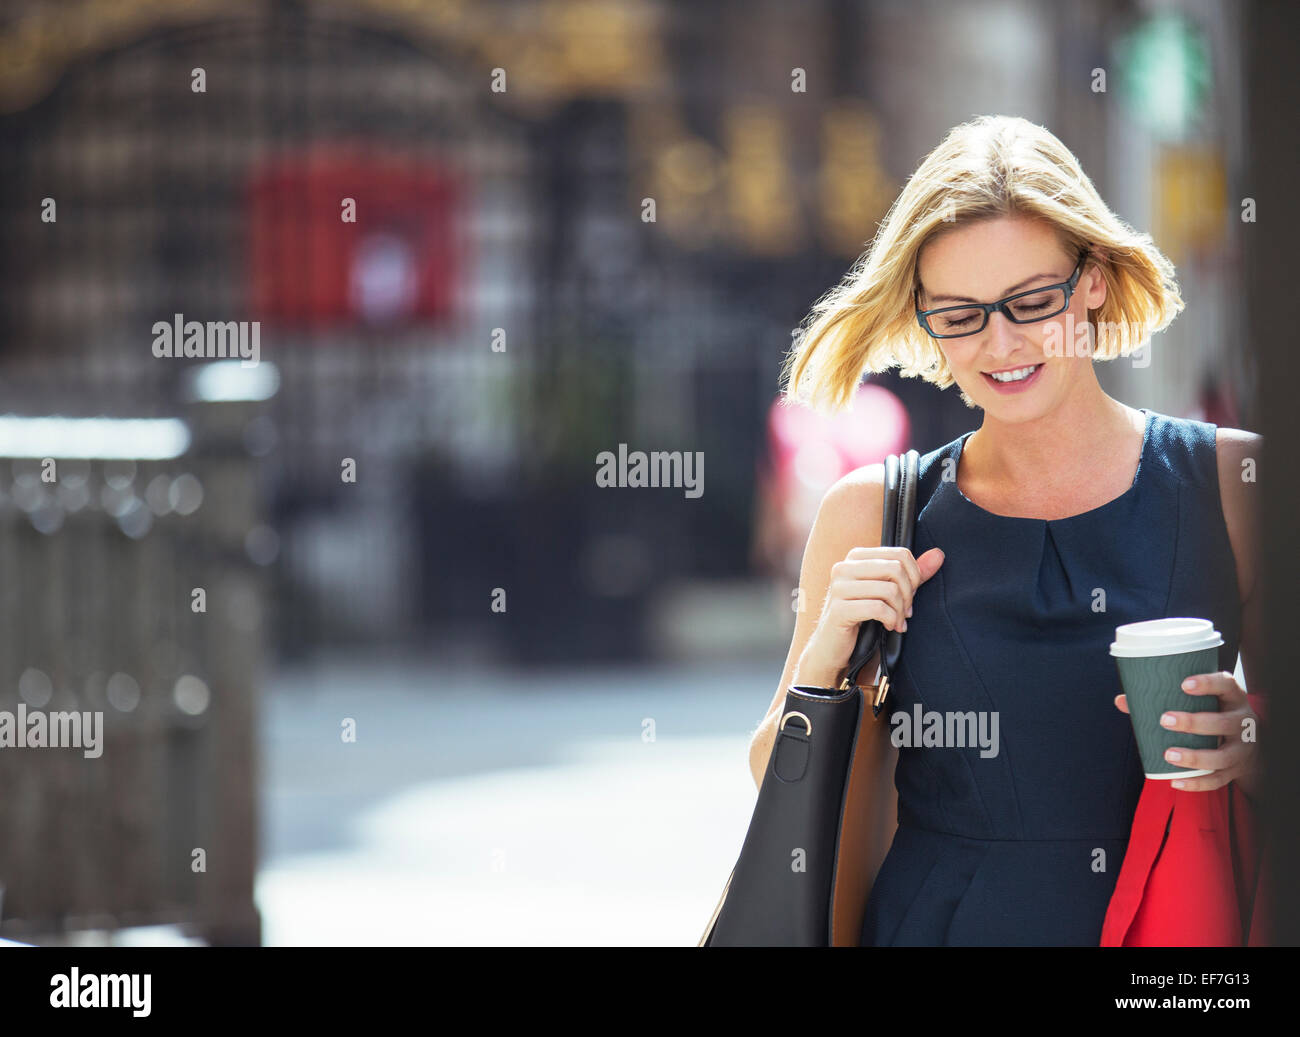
(576,224)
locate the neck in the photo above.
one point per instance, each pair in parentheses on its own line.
(1064,444)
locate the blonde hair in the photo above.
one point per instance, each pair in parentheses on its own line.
(992,166)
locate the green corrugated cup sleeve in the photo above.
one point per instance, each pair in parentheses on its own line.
(1153,685)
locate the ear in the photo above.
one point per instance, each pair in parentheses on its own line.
(1092,283)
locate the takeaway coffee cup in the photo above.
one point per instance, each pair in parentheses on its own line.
(1154,658)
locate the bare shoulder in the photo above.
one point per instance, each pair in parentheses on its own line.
(1236,443)
(1238,458)
(850,511)
(1238,462)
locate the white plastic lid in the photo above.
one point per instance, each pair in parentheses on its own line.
(1164,637)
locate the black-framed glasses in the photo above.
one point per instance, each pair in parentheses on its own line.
(1022,308)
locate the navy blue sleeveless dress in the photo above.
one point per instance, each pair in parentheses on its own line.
(1023,847)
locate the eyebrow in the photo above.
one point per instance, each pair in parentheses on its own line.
(1010,291)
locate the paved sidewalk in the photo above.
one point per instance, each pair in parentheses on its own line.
(504,808)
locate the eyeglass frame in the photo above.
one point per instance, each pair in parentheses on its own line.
(991,308)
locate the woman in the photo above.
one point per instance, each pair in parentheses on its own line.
(1064,515)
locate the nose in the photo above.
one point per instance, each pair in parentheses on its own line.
(1002,335)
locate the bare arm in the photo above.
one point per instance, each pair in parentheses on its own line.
(1241,516)
(849,517)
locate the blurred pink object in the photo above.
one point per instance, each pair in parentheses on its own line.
(808,452)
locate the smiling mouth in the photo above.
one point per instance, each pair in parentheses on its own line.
(1029,369)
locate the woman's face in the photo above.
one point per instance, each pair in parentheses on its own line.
(985,262)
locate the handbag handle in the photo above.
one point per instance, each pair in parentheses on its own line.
(897,529)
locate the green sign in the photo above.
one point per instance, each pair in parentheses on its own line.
(1164,74)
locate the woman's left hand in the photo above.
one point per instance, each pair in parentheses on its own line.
(1235,759)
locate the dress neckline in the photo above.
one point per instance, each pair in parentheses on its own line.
(1142,457)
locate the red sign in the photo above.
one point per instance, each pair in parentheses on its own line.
(345,236)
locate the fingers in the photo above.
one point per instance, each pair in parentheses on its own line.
(900,557)
(1226,758)
(850,597)
(890,574)
(1204,783)
(901,554)
(913,567)
(1207,723)
(1222,684)
(872,570)
(930,562)
(1121,703)
(1226,721)
(1231,758)
(849,612)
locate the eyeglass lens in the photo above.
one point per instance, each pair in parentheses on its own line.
(1024,310)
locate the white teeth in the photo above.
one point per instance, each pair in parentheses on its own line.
(1015,376)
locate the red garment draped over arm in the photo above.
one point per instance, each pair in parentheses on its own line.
(1194,873)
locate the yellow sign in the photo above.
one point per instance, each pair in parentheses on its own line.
(1191,204)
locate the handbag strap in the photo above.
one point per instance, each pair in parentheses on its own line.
(898,527)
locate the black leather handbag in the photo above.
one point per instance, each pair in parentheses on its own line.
(814,842)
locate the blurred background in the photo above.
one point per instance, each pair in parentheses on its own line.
(379,660)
